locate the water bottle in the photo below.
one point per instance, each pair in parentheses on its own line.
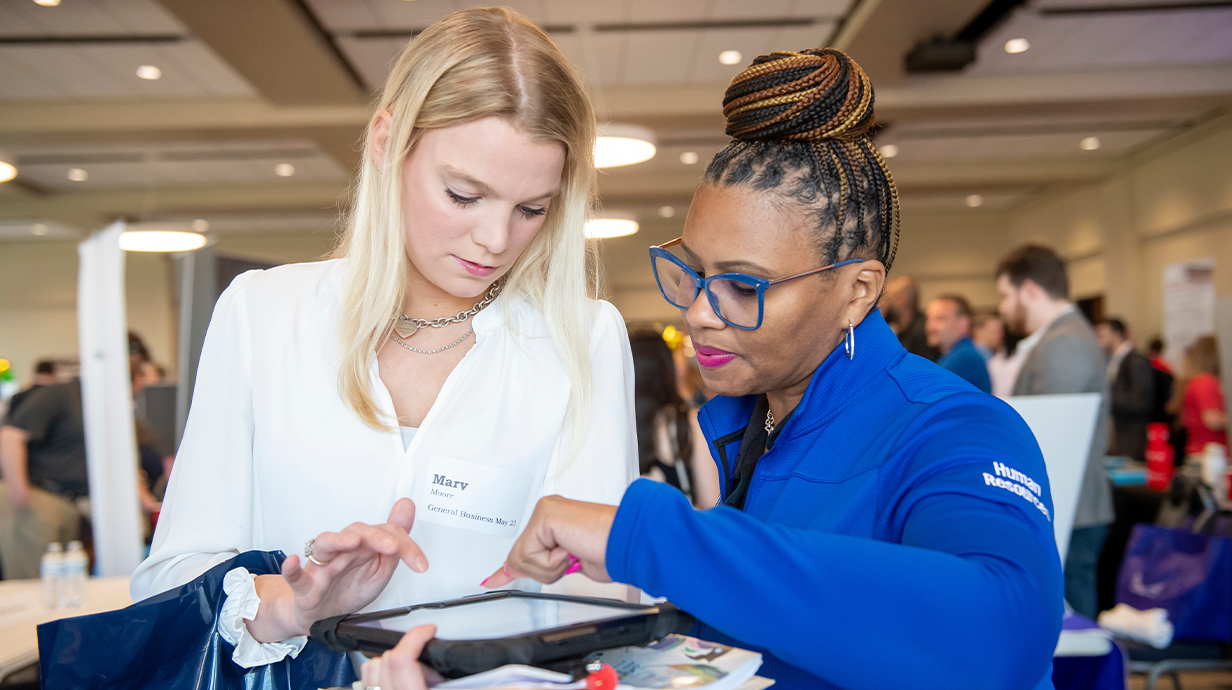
(1215,470)
(75,565)
(51,569)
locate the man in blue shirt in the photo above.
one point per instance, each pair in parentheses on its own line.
(948,326)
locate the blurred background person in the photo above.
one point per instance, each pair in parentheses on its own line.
(1061,355)
(1132,381)
(948,327)
(1200,402)
(670,445)
(900,304)
(991,338)
(44,375)
(43,467)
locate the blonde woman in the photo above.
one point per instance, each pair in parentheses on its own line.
(440,376)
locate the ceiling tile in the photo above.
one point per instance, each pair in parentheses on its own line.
(72,67)
(742,9)
(802,38)
(80,18)
(609,50)
(141,16)
(17,81)
(649,11)
(750,42)
(14,23)
(345,15)
(591,12)
(372,57)
(211,73)
(828,9)
(659,57)
(1015,146)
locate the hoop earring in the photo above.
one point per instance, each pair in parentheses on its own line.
(849,343)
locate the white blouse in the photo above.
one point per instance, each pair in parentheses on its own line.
(272,455)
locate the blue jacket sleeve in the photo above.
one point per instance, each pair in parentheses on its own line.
(969,597)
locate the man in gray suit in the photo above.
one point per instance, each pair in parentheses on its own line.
(1062,356)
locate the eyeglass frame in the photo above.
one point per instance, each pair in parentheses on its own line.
(701,284)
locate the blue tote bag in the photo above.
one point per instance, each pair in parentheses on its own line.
(171,641)
(1187,573)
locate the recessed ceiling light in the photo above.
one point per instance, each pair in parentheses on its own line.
(889,151)
(1017,45)
(39,229)
(667,211)
(689,157)
(730,57)
(78,174)
(1089,143)
(7,171)
(149,72)
(975,201)
(618,145)
(600,228)
(284,170)
(47,3)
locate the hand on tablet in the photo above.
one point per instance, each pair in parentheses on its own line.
(557,528)
(399,668)
(356,564)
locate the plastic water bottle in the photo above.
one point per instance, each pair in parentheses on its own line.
(51,569)
(75,565)
(1215,470)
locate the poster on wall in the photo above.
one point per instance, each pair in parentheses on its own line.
(1189,306)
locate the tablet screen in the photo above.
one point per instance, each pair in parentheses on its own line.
(496,618)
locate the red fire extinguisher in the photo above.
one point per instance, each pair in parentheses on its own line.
(1159,456)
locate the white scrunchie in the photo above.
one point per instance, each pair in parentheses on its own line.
(241,604)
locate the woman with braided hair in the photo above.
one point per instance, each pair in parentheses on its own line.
(883,524)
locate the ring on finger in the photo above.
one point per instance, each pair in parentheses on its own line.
(308,555)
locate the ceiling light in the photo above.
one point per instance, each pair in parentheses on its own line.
(1017,45)
(975,201)
(39,229)
(284,170)
(619,145)
(889,151)
(77,174)
(667,211)
(47,3)
(160,237)
(199,225)
(149,72)
(1089,143)
(689,157)
(730,57)
(601,228)
(7,171)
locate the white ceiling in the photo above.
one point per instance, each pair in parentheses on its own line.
(162,165)
(1107,39)
(87,18)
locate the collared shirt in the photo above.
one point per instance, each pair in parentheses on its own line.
(1118,356)
(272,456)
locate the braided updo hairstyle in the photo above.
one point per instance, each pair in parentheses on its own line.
(801,124)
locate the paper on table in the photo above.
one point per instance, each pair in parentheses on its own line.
(676,662)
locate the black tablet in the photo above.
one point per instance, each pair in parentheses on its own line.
(482,632)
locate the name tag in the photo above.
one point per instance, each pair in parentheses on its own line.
(474,497)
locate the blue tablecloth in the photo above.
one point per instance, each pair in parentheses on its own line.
(1100,672)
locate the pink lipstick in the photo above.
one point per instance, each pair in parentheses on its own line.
(711,357)
(478,270)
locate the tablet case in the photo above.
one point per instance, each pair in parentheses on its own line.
(549,648)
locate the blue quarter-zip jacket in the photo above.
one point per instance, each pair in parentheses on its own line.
(898,534)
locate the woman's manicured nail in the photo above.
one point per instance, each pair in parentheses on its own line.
(420,565)
(486,580)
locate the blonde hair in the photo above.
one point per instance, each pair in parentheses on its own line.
(473,64)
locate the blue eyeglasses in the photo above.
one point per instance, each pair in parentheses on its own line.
(737,298)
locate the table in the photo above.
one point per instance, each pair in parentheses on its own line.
(1087,658)
(22,611)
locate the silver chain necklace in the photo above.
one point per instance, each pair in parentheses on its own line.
(431,352)
(406,326)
